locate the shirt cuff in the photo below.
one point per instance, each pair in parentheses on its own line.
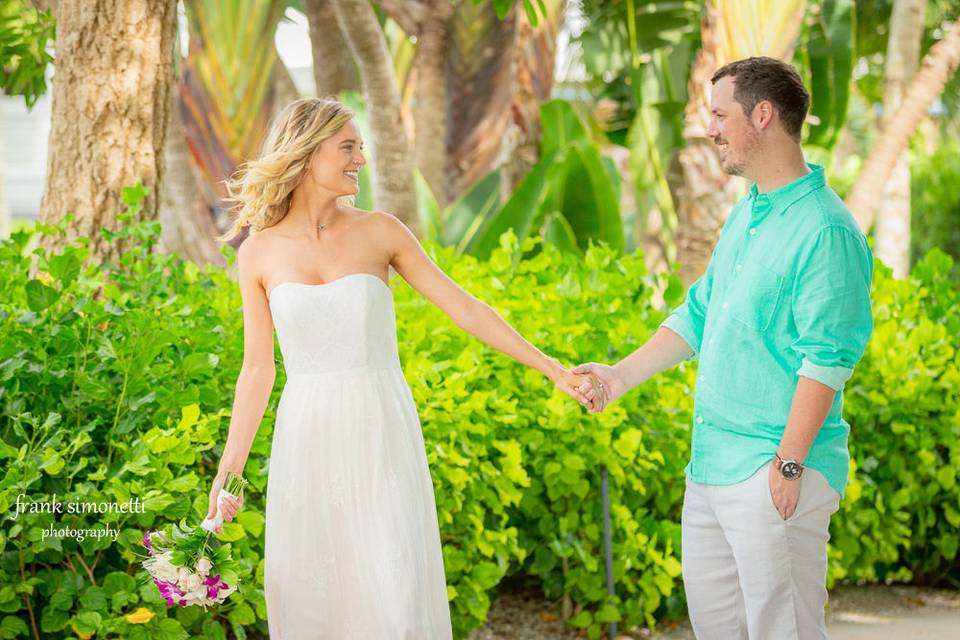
(833,377)
(683,329)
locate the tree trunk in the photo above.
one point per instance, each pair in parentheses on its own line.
(333,69)
(705,194)
(705,191)
(111,97)
(284,89)
(185,218)
(393,186)
(481,72)
(903,56)
(431,107)
(534,58)
(936,69)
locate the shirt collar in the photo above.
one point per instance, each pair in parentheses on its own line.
(780,199)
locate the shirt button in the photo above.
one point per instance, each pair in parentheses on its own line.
(753,232)
(699,419)
(725,305)
(739,267)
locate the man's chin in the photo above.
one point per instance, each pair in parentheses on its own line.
(731,169)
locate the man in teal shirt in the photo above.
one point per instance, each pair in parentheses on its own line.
(777,323)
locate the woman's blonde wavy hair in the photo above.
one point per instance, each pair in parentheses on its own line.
(262,188)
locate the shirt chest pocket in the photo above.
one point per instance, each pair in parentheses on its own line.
(755,296)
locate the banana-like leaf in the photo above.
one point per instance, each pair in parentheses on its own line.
(757,28)
(561,127)
(523,212)
(557,231)
(830,47)
(465,215)
(572,179)
(621,32)
(428,208)
(226,89)
(591,202)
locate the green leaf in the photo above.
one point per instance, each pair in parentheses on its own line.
(486,574)
(830,46)
(40,296)
(252,521)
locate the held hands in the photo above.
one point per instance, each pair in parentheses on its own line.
(574,385)
(607,385)
(784,493)
(228,506)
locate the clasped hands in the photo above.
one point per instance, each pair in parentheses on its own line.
(593,385)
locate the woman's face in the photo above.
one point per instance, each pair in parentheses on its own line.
(335,165)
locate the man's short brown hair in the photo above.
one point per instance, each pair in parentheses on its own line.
(762,78)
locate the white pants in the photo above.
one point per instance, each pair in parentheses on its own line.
(748,573)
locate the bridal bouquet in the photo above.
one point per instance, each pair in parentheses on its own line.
(185,568)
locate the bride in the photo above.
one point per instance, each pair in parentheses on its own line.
(352,543)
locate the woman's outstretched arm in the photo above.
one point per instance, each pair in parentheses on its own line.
(467,312)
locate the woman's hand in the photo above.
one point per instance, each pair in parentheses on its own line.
(228,506)
(607,385)
(575,385)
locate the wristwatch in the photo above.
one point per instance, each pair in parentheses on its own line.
(789,469)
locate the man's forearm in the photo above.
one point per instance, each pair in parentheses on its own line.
(664,350)
(811,404)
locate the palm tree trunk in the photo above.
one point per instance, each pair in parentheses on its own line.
(704,193)
(333,70)
(534,58)
(903,56)
(730,30)
(393,185)
(187,224)
(430,112)
(481,72)
(111,98)
(937,67)
(284,89)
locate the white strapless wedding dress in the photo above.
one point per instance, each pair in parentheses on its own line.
(352,540)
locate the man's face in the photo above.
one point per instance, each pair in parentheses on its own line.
(731,129)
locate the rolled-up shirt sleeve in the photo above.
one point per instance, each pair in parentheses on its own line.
(831,305)
(689,319)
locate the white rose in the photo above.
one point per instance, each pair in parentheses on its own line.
(182,576)
(204,565)
(193,583)
(163,569)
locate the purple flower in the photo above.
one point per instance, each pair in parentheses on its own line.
(214,586)
(146,541)
(169,592)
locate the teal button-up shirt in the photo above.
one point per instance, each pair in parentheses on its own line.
(786,294)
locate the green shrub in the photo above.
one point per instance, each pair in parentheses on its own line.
(516,464)
(115,382)
(901,514)
(935,203)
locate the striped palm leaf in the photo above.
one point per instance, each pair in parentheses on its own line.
(226,87)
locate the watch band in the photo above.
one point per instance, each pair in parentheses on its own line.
(778,462)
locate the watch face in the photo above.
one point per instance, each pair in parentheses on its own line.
(790,470)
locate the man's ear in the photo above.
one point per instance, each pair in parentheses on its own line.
(763,114)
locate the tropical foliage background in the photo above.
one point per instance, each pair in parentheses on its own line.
(552,156)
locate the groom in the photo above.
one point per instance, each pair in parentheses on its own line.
(777,322)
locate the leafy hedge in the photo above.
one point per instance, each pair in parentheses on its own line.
(116,382)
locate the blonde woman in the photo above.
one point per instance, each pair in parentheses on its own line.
(352,540)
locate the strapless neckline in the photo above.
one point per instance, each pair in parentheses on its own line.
(327,284)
